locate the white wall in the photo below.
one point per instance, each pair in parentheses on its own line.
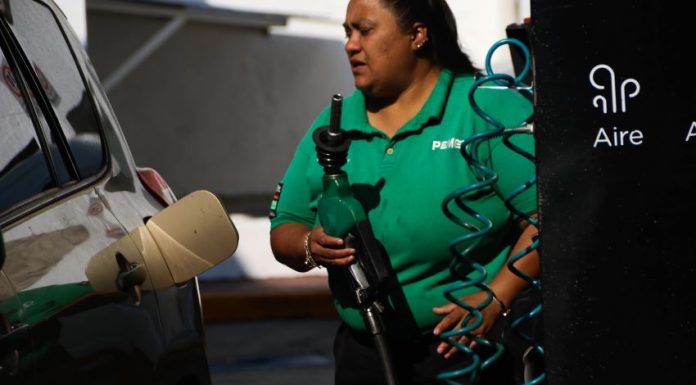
(74,10)
(481,23)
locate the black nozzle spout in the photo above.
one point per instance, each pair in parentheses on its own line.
(334,135)
(331,143)
(336,111)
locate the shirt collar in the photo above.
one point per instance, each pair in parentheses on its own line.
(356,117)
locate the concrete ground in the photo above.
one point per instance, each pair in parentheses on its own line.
(269,331)
(272,352)
(265,323)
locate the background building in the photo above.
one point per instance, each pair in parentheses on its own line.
(215,94)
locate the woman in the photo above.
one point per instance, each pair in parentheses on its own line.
(407,120)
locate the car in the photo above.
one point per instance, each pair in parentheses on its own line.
(98,262)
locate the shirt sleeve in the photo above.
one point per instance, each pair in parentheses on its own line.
(300,188)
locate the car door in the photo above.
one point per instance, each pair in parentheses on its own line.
(14,339)
(79,335)
(53,166)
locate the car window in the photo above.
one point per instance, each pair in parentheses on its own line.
(42,41)
(23,169)
(49,133)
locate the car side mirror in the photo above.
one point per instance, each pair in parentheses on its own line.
(178,243)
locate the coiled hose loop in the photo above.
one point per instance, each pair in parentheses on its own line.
(471,273)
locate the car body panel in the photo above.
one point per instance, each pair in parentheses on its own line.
(54,326)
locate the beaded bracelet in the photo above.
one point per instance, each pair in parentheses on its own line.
(309,261)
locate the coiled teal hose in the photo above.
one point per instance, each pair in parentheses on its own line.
(460,247)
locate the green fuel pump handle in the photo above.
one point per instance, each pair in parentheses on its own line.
(343,216)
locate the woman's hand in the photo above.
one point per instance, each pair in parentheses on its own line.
(454,315)
(288,245)
(329,251)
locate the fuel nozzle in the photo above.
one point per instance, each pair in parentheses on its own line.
(331,141)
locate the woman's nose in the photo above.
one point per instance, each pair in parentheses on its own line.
(352,44)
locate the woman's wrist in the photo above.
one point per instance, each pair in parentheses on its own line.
(504,309)
(309,261)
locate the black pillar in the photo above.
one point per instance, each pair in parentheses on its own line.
(616,147)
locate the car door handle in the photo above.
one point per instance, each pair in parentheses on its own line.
(130,277)
(9,345)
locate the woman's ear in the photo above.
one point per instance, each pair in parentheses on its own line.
(419,36)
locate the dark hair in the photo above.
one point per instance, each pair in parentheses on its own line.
(442,46)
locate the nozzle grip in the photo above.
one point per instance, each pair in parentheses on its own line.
(370,259)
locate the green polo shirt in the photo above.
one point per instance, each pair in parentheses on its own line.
(402,181)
